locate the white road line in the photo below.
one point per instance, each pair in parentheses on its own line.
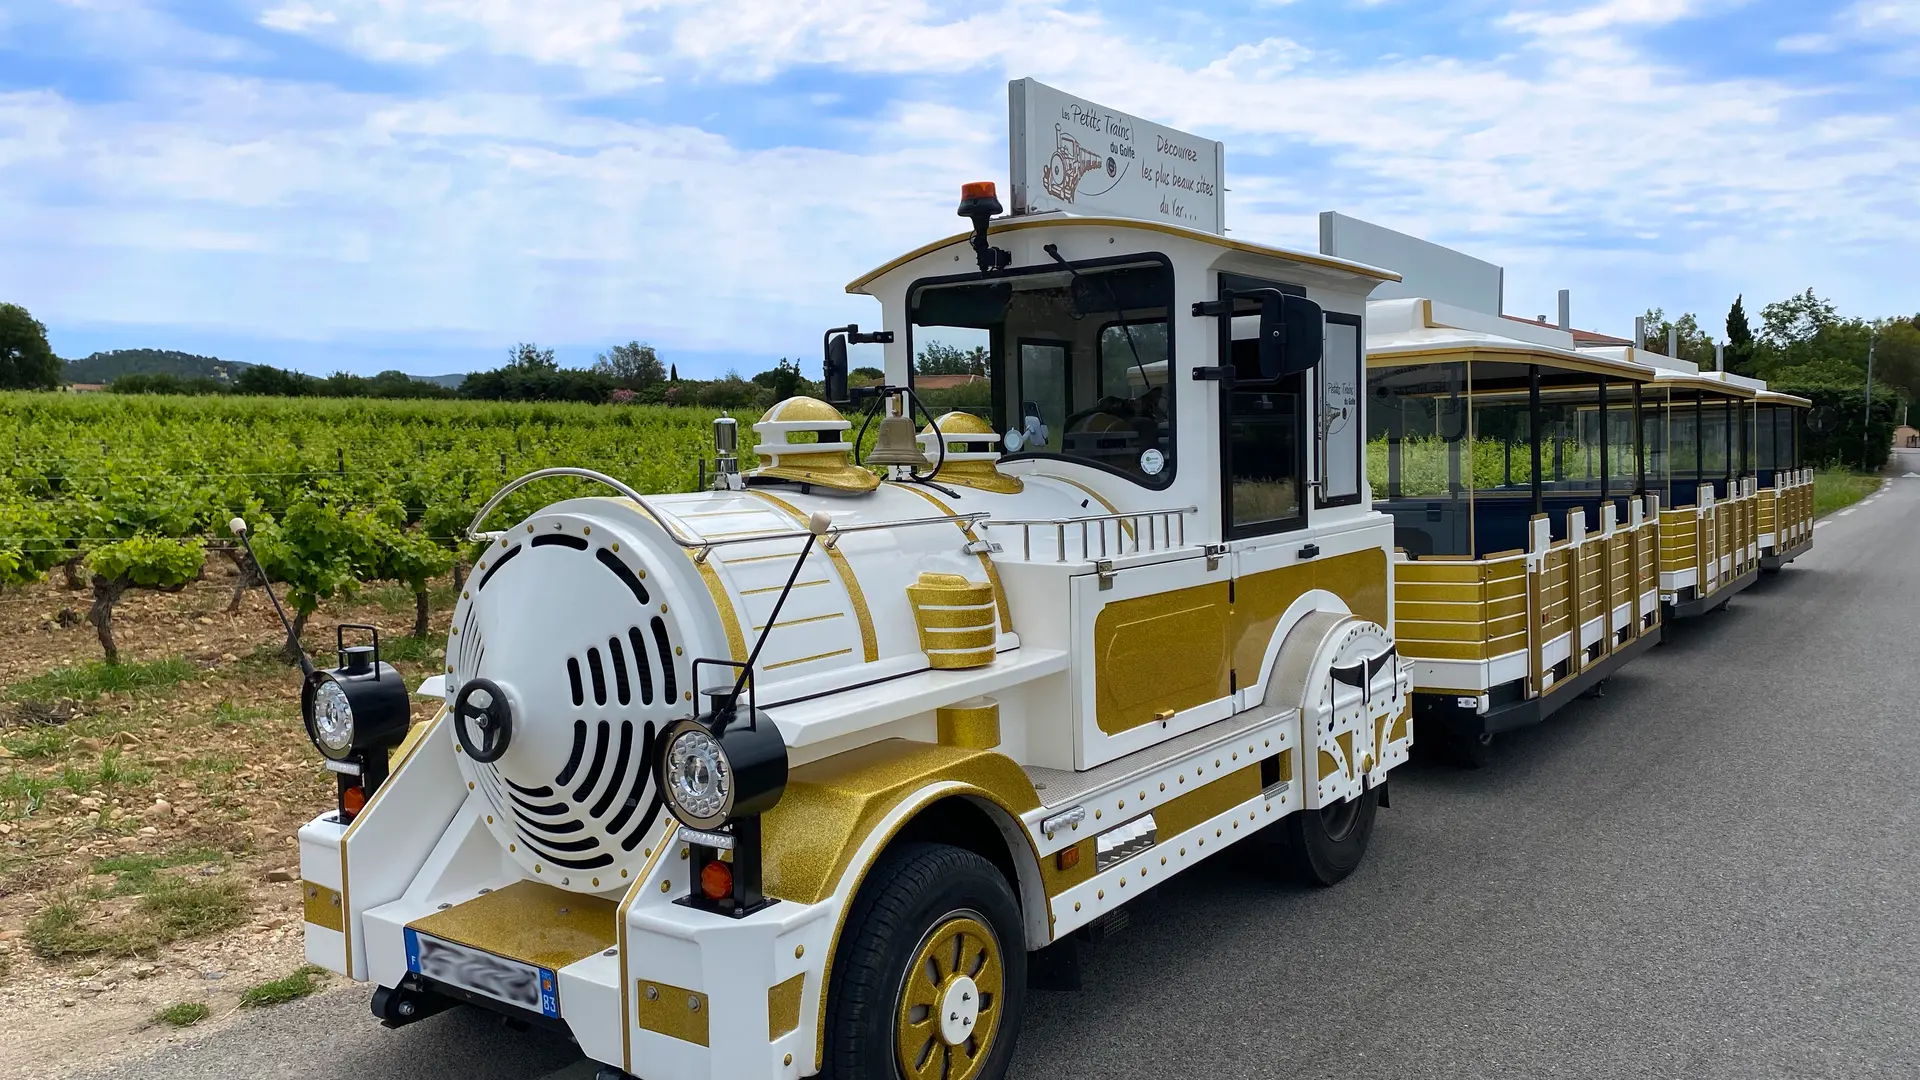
(1847,511)
(1821,524)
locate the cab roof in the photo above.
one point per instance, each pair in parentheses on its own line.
(1058,221)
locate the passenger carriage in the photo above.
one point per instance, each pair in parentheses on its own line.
(1527,541)
(796,773)
(1699,433)
(1785,482)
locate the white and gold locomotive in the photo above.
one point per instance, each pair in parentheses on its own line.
(812,771)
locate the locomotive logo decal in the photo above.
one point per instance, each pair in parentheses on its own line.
(1070,162)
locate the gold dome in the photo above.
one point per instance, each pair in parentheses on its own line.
(802,410)
(974,466)
(959,423)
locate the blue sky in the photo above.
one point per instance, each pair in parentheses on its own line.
(364,184)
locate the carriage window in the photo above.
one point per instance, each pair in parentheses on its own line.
(1422,466)
(1069,364)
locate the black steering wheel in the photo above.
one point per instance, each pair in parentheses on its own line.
(482,720)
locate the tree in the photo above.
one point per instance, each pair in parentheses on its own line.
(939,358)
(785,380)
(315,549)
(406,555)
(26,360)
(142,562)
(527,356)
(1795,320)
(673,373)
(633,365)
(1740,358)
(732,392)
(1695,345)
(866,376)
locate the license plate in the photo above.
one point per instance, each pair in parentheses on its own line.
(531,988)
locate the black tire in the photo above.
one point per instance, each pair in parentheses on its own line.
(1323,846)
(1470,750)
(915,893)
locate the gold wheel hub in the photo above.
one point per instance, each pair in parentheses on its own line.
(950,1001)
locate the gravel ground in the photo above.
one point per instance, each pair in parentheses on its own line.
(1711,872)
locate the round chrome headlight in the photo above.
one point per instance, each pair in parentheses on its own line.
(697,778)
(332,718)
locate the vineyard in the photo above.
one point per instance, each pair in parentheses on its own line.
(121,494)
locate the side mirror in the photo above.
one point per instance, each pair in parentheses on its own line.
(833,376)
(1292,334)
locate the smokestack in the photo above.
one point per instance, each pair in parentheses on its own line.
(1566,309)
(1719,356)
(1673,342)
(1639,331)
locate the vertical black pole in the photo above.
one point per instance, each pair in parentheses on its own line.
(1605,470)
(1639,445)
(1533,425)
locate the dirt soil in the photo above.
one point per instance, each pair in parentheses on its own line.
(114,807)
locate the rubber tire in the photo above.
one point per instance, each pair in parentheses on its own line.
(1470,751)
(1315,858)
(912,887)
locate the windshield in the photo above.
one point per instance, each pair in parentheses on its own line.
(1063,364)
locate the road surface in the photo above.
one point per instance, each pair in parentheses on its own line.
(1714,871)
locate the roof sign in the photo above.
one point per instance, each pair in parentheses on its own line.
(1073,155)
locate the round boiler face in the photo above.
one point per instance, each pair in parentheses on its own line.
(587,642)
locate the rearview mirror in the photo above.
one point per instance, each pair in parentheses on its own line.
(1292,334)
(833,376)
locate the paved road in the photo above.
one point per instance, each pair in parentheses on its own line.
(1712,872)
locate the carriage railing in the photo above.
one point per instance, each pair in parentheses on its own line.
(1565,604)
(1134,532)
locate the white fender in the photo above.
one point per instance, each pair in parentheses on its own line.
(1352,689)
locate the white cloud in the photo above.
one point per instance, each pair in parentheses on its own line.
(299,209)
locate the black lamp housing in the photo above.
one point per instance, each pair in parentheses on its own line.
(979,203)
(382,711)
(756,754)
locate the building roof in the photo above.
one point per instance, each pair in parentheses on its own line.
(1581,338)
(945,382)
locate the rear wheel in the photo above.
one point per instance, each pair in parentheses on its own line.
(1471,749)
(931,971)
(1325,845)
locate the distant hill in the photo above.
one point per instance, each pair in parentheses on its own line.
(104,367)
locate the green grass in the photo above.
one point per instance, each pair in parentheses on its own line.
(171,909)
(185,1014)
(37,742)
(1837,489)
(398,599)
(413,650)
(22,794)
(137,873)
(111,772)
(280,991)
(89,681)
(228,715)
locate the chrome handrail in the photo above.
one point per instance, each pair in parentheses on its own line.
(700,546)
(1169,520)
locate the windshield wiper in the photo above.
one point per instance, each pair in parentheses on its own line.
(1053,250)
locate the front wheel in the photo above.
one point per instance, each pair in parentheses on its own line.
(1325,845)
(931,972)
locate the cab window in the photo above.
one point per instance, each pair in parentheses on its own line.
(1065,363)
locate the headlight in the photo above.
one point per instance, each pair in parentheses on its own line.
(332,718)
(698,780)
(722,767)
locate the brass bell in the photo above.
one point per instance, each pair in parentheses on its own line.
(897,444)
